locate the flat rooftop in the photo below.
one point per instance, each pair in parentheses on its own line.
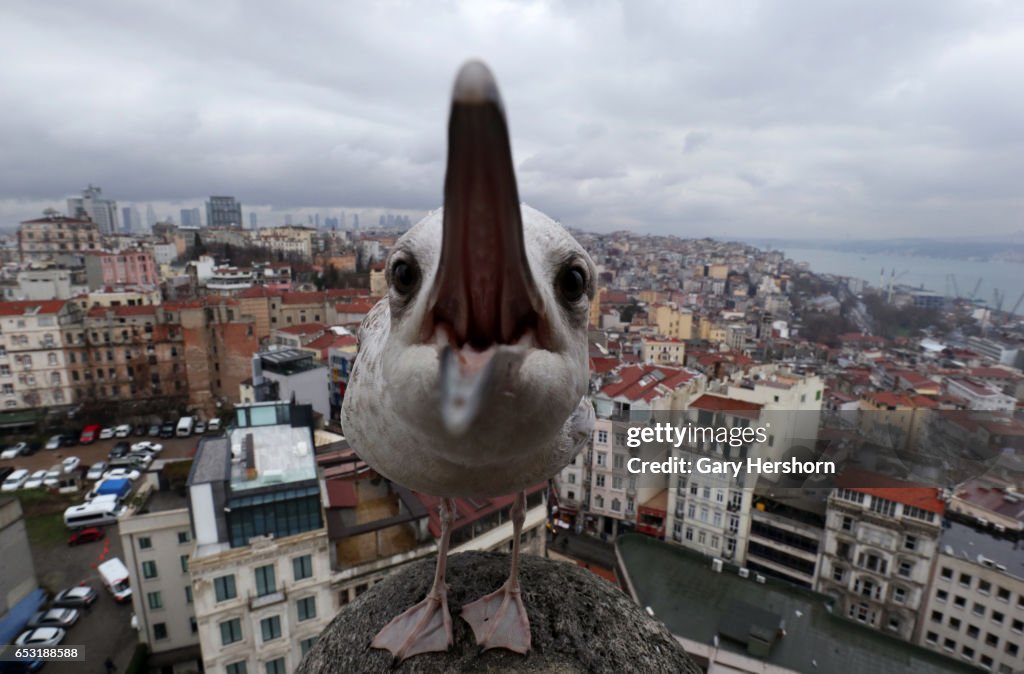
(696,603)
(267,455)
(962,541)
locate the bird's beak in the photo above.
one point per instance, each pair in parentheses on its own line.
(484,294)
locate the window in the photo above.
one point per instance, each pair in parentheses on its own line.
(910,543)
(270,628)
(619,461)
(701,537)
(184,563)
(155,600)
(599,481)
(302,567)
(949,645)
(998,617)
(973,631)
(955,623)
(266,583)
(224,587)
(307,645)
(941,595)
(236,668)
(931,637)
(183,537)
(978,609)
(847,523)
(160,631)
(959,602)
(838,572)
(230,631)
(188,594)
(991,640)
(936,617)
(602,458)
(899,595)
(602,437)
(616,505)
(275,666)
(968,652)
(883,506)
(1003,594)
(965,580)
(616,482)
(905,568)
(149,569)
(1017,626)
(306,608)
(689,533)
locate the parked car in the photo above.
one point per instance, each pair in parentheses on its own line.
(54,442)
(79,596)
(200,427)
(35,481)
(107,433)
(31,448)
(96,470)
(122,431)
(118,473)
(71,464)
(5,471)
(69,440)
(120,449)
(154,431)
(15,480)
(213,425)
(139,430)
(87,535)
(14,451)
(41,636)
(168,430)
(147,446)
(53,476)
(141,460)
(89,434)
(54,617)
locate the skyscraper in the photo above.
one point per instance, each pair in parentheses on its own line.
(128,223)
(223,212)
(93,206)
(254,221)
(150,216)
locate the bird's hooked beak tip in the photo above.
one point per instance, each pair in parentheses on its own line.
(463,388)
(475,84)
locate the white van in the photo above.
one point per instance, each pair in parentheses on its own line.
(185,426)
(115,576)
(95,513)
(15,480)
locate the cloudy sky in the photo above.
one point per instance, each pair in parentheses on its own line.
(865,118)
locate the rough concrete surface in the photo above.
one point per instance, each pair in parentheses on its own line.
(579,623)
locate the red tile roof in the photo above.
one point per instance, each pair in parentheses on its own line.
(647,382)
(31,307)
(716,403)
(603,364)
(354,307)
(468,510)
(882,486)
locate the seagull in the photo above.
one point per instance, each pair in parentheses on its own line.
(472,374)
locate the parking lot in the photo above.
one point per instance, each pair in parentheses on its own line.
(98,451)
(105,629)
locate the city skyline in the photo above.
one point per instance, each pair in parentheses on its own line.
(687,120)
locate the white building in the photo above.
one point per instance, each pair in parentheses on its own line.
(975,605)
(93,206)
(33,370)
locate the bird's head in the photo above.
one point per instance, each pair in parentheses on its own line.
(488,299)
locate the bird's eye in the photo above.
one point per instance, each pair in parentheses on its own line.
(404,277)
(571,283)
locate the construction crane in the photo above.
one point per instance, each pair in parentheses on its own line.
(892,280)
(951,278)
(974,293)
(997,299)
(1016,305)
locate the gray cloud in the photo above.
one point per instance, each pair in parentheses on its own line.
(780,119)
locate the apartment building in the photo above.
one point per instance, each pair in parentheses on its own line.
(880,544)
(974,609)
(157,547)
(123,353)
(261,566)
(33,365)
(56,235)
(131,267)
(663,351)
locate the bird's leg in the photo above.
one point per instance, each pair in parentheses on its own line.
(427,626)
(499,620)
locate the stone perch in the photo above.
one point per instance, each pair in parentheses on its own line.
(579,623)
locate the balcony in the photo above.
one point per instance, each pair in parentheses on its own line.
(260,601)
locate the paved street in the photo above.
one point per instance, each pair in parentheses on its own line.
(586,548)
